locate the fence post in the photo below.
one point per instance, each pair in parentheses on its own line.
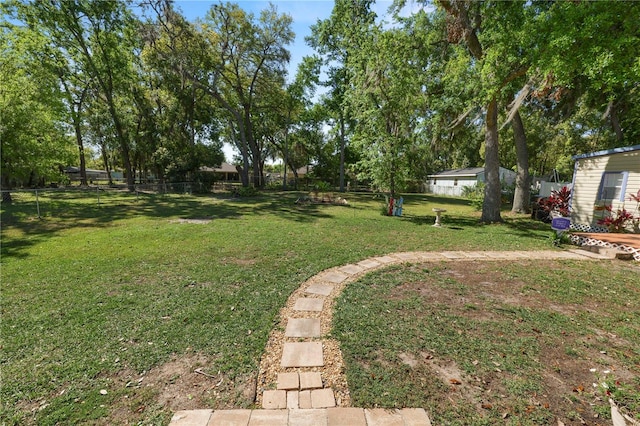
(98,192)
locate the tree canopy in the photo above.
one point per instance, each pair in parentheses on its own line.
(389,100)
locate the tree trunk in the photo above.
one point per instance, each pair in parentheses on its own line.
(124,145)
(256,154)
(522,195)
(83,167)
(286,157)
(342,148)
(257,173)
(243,171)
(105,159)
(615,124)
(295,179)
(492,189)
(392,180)
(5,186)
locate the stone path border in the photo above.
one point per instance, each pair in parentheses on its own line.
(301,380)
(319,417)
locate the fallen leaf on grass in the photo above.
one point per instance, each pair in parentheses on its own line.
(487,406)
(455,382)
(579,389)
(616,417)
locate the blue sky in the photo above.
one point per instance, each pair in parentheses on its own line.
(304,13)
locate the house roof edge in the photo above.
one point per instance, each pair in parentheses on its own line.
(606,152)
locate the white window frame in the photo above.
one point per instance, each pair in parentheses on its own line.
(604,191)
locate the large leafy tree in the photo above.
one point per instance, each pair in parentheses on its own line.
(235,58)
(33,137)
(386,98)
(336,39)
(98,38)
(177,122)
(493,33)
(593,58)
(285,117)
(250,58)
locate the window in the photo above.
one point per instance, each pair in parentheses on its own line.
(612,186)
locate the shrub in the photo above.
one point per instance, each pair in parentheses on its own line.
(273,186)
(619,220)
(244,191)
(616,222)
(557,202)
(322,186)
(475,194)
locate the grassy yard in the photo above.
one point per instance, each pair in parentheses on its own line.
(484,343)
(106,306)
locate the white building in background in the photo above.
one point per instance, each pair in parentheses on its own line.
(452,182)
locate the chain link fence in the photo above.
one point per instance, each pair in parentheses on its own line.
(54,202)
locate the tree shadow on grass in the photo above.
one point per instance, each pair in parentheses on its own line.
(81,209)
(451,222)
(521,227)
(529,228)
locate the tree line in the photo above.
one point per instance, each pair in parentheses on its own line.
(388,100)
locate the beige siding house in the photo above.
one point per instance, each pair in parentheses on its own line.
(604,178)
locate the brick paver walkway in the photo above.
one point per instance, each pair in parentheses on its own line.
(299,397)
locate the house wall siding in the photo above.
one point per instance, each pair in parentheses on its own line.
(447,186)
(588,174)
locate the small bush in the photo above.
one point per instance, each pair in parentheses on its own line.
(557,202)
(475,194)
(245,191)
(322,186)
(273,186)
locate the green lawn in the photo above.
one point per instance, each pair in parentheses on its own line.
(92,291)
(485,343)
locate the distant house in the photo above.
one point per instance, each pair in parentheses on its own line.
(74,174)
(603,178)
(226,172)
(451,182)
(304,170)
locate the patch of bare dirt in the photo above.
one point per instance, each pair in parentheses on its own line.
(195,220)
(183,383)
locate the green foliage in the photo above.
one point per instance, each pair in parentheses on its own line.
(322,186)
(475,194)
(34,141)
(245,191)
